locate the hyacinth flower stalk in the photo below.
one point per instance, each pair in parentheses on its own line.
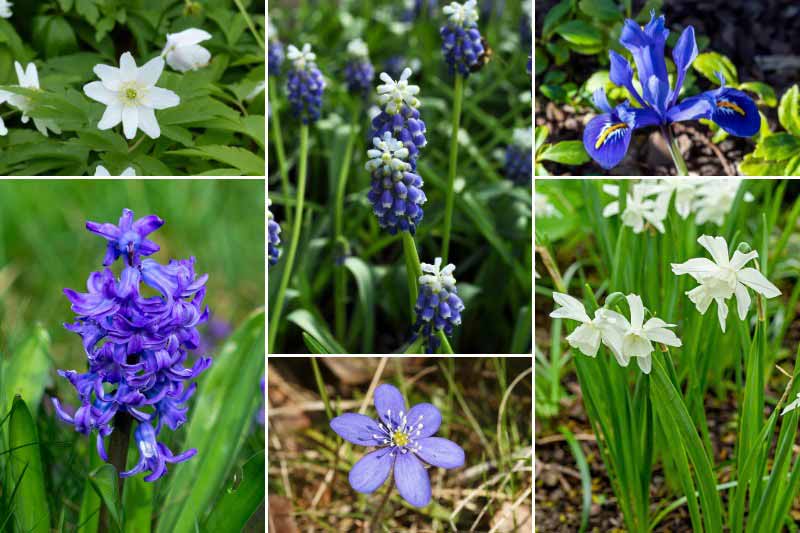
(462,48)
(305,87)
(608,135)
(275,59)
(136,347)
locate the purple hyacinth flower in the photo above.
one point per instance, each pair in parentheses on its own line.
(438,306)
(608,135)
(128,238)
(462,44)
(305,84)
(153,455)
(405,443)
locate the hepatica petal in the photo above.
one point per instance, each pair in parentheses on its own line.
(371,471)
(357,429)
(389,402)
(441,452)
(427,415)
(412,480)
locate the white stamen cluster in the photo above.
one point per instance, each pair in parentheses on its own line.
(393,94)
(389,155)
(301,58)
(401,435)
(463,15)
(438,279)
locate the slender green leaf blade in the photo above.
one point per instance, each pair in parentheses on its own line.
(238,503)
(31,511)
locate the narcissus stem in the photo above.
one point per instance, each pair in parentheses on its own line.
(677,158)
(277,307)
(117,456)
(458,96)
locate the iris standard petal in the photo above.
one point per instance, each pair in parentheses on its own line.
(657,94)
(735,112)
(692,108)
(644,117)
(371,471)
(424,420)
(440,452)
(647,47)
(389,403)
(600,100)
(606,140)
(683,54)
(412,480)
(621,75)
(357,429)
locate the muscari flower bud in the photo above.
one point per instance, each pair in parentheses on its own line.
(358,72)
(274,238)
(461,40)
(518,166)
(136,346)
(438,306)
(305,84)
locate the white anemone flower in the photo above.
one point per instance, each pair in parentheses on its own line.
(637,335)
(131,95)
(28,79)
(182,51)
(103,171)
(5,9)
(588,336)
(723,278)
(792,406)
(638,208)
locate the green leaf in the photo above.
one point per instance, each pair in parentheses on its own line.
(559,52)
(708,63)
(789,111)
(228,396)
(27,371)
(137,500)
(566,153)
(89,517)
(103,141)
(556,93)
(792,167)
(54,36)
(313,345)
(239,501)
(540,135)
(778,147)
(88,10)
(598,80)
(104,480)
(244,160)
(754,166)
(540,60)
(580,33)
(31,511)
(765,93)
(317,329)
(554,16)
(602,10)
(366,298)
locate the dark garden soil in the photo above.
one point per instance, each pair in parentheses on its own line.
(761,37)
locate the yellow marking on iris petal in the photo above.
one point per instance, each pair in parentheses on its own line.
(608,131)
(731,105)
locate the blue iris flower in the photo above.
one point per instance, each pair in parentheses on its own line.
(608,135)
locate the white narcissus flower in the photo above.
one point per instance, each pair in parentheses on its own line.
(131,95)
(28,79)
(685,190)
(638,334)
(792,406)
(182,51)
(588,336)
(638,208)
(103,171)
(722,278)
(714,199)
(5,9)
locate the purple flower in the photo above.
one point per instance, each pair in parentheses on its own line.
(305,84)
(275,54)
(127,239)
(461,40)
(405,443)
(273,230)
(358,72)
(137,346)
(518,166)
(438,306)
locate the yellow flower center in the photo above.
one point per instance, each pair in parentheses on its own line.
(400,438)
(130,94)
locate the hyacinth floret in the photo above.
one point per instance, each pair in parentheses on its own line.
(518,167)
(399,115)
(438,306)
(396,193)
(274,231)
(136,345)
(305,84)
(358,72)
(461,39)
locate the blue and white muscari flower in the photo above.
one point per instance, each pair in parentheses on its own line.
(274,231)
(608,135)
(275,53)
(461,40)
(518,166)
(305,84)
(438,306)
(399,115)
(358,72)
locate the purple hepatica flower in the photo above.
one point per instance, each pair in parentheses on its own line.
(127,239)
(136,347)
(305,84)
(608,135)
(405,442)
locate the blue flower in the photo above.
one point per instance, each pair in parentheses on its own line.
(518,167)
(438,306)
(608,135)
(399,115)
(404,441)
(461,40)
(396,193)
(273,230)
(136,346)
(305,84)
(358,72)
(394,65)
(275,55)
(128,238)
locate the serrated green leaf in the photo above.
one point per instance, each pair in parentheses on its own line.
(566,153)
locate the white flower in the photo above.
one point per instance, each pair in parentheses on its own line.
(131,95)
(300,58)
(588,336)
(393,94)
(714,199)
(542,208)
(722,278)
(28,79)
(103,171)
(388,153)
(438,279)
(357,48)
(183,52)
(637,335)
(792,406)
(638,208)
(462,14)
(522,138)
(685,190)
(5,9)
